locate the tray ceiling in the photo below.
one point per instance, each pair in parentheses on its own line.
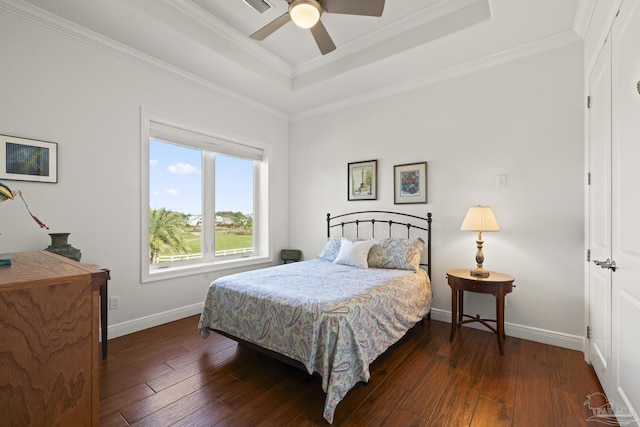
(414,41)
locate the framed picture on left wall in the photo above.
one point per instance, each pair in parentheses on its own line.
(24,159)
(362,180)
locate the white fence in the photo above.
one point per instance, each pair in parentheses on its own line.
(183,257)
(234,252)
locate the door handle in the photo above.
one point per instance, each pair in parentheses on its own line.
(611,265)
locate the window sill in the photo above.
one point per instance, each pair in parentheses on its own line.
(191,269)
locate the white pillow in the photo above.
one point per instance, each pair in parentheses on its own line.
(353,253)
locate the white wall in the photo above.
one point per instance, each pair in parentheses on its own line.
(523,119)
(56,88)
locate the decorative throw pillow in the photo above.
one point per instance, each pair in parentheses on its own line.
(400,254)
(331,249)
(353,253)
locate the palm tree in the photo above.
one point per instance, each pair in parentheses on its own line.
(166,230)
(239,219)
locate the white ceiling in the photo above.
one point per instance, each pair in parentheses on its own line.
(295,46)
(413,43)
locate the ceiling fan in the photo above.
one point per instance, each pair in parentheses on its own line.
(306,14)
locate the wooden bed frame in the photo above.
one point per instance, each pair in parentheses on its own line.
(332,223)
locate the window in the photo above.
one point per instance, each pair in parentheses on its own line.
(205,202)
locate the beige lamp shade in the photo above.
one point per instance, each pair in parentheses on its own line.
(480,218)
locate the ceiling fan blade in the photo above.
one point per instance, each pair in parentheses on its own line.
(354,7)
(323,39)
(272,26)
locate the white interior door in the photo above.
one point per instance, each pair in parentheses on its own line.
(600,216)
(626,209)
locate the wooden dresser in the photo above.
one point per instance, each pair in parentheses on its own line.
(49,350)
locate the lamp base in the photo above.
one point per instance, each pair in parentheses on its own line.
(479,273)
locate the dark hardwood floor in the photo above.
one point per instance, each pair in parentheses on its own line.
(169,376)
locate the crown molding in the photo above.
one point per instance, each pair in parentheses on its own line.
(583,16)
(550,43)
(63,26)
(82,34)
(195,12)
(396,28)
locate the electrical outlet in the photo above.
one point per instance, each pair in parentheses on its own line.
(114,303)
(501,181)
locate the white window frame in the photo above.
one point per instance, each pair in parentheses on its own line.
(209,140)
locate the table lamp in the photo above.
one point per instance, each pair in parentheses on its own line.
(7,194)
(480,218)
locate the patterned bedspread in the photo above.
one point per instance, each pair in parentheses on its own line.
(335,319)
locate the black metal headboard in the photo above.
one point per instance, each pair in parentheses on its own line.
(353,219)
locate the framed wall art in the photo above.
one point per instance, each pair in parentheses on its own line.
(362,180)
(410,183)
(28,159)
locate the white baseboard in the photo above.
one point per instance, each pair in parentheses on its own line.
(139,324)
(544,336)
(559,339)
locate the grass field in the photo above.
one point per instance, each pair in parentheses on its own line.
(224,242)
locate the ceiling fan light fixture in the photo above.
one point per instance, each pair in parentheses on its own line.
(305,13)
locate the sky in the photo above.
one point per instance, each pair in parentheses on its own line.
(175,175)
